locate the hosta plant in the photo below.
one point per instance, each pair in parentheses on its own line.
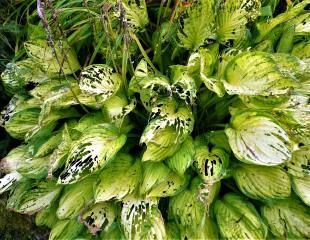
(161,119)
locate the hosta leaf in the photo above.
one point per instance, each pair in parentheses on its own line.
(299,165)
(291,66)
(98,217)
(66,229)
(17,76)
(58,157)
(19,117)
(10,162)
(258,139)
(163,146)
(170,125)
(48,122)
(183,158)
(264,102)
(301,187)
(99,79)
(197,28)
(233,15)
(113,232)
(38,197)
(8,180)
(92,152)
(47,216)
(206,60)
(75,197)
(149,86)
(53,61)
(183,85)
(238,219)
(160,181)
(40,147)
(16,194)
(294,108)
(206,230)
(34,167)
(89,119)
(207,192)
(256,73)
(186,209)
(120,178)
(262,183)
(66,95)
(211,166)
(141,219)
(117,108)
(287,219)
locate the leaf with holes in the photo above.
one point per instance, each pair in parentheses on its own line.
(99,216)
(99,79)
(53,59)
(141,219)
(92,152)
(169,126)
(211,165)
(299,166)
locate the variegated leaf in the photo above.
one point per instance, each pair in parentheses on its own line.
(211,166)
(160,181)
(92,152)
(53,60)
(301,187)
(258,139)
(10,162)
(183,85)
(183,158)
(75,197)
(118,179)
(167,113)
(299,165)
(141,219)
(8,180)
(99,216)
(117,108)
(99,79)
(261,182)
(66,229)
(186,208)
(38,197)
(232,17)
(287,218)
(169,126)
(237,218)
(256,73)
